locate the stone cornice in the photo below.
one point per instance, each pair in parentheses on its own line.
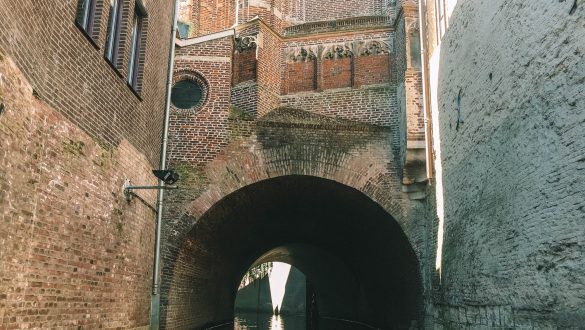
(340,25)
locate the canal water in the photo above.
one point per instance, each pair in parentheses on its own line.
(286,322)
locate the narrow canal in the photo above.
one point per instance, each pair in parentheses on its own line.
(266,321)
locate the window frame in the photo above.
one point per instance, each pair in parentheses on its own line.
(137,47)
(87,19)
(440,19)
(114,32)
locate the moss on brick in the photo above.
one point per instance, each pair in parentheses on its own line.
(237,113)
(75,148)
(190,176)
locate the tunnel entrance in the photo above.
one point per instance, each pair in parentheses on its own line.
(358,260)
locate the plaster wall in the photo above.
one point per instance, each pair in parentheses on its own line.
(508,93)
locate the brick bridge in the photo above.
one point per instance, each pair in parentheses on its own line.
(306,149)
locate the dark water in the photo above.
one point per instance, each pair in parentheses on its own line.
(286,322)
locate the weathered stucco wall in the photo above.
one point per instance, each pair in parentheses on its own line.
(513,166)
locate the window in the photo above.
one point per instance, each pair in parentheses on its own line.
(186,94)
(136,49)
(114,27)
(87,17)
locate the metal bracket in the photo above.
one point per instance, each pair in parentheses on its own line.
(128,190)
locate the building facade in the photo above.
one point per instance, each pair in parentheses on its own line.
(82,87)
(427,153)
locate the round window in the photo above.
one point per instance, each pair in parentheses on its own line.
(186,94)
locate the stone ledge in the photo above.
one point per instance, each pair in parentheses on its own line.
(347,24)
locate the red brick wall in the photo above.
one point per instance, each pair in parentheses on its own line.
(300,77)
(270,68)
(371,70)
(244,66)
(336,73)
(324,10)
(73,252)
(72,76)
(197,135)
(210,16)
(245,97)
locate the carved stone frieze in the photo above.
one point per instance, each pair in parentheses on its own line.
(337,51)
(373,47)
(245,43)
(302,54)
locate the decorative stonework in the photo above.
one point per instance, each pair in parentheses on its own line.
(365,22)
(373,47)
(245,44)
(302,54)
(337,51)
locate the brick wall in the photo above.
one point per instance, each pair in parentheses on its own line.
(270,59)
(510,125)
(71,75)
(196,135)
(281,143)
(244,66)
(345,75)
(245,97)
(74,252)
(210,16)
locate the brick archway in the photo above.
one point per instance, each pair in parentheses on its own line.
(285,143)
(200,282)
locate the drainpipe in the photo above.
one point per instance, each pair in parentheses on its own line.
(155,301)
(425,86)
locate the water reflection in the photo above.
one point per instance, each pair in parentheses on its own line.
(268,322)
(286,322)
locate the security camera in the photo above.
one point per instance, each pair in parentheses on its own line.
(167,176)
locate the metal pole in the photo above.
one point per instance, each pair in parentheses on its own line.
(155,301)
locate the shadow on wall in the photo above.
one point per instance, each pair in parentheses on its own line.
(506,86)
(323,228)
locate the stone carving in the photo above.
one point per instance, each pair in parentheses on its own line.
(245,43)
(373,47)
(302,54)
(338,51)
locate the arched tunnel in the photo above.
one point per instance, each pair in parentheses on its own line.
(356,255)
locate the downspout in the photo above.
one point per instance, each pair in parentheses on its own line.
(155,301)
(425,87)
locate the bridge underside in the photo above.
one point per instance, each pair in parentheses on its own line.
(355,254)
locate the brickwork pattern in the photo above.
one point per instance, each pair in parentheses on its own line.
(197,136)
(282,143)
(74,252)
(71,75)
(245,97)
(367,104)
(512,159)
